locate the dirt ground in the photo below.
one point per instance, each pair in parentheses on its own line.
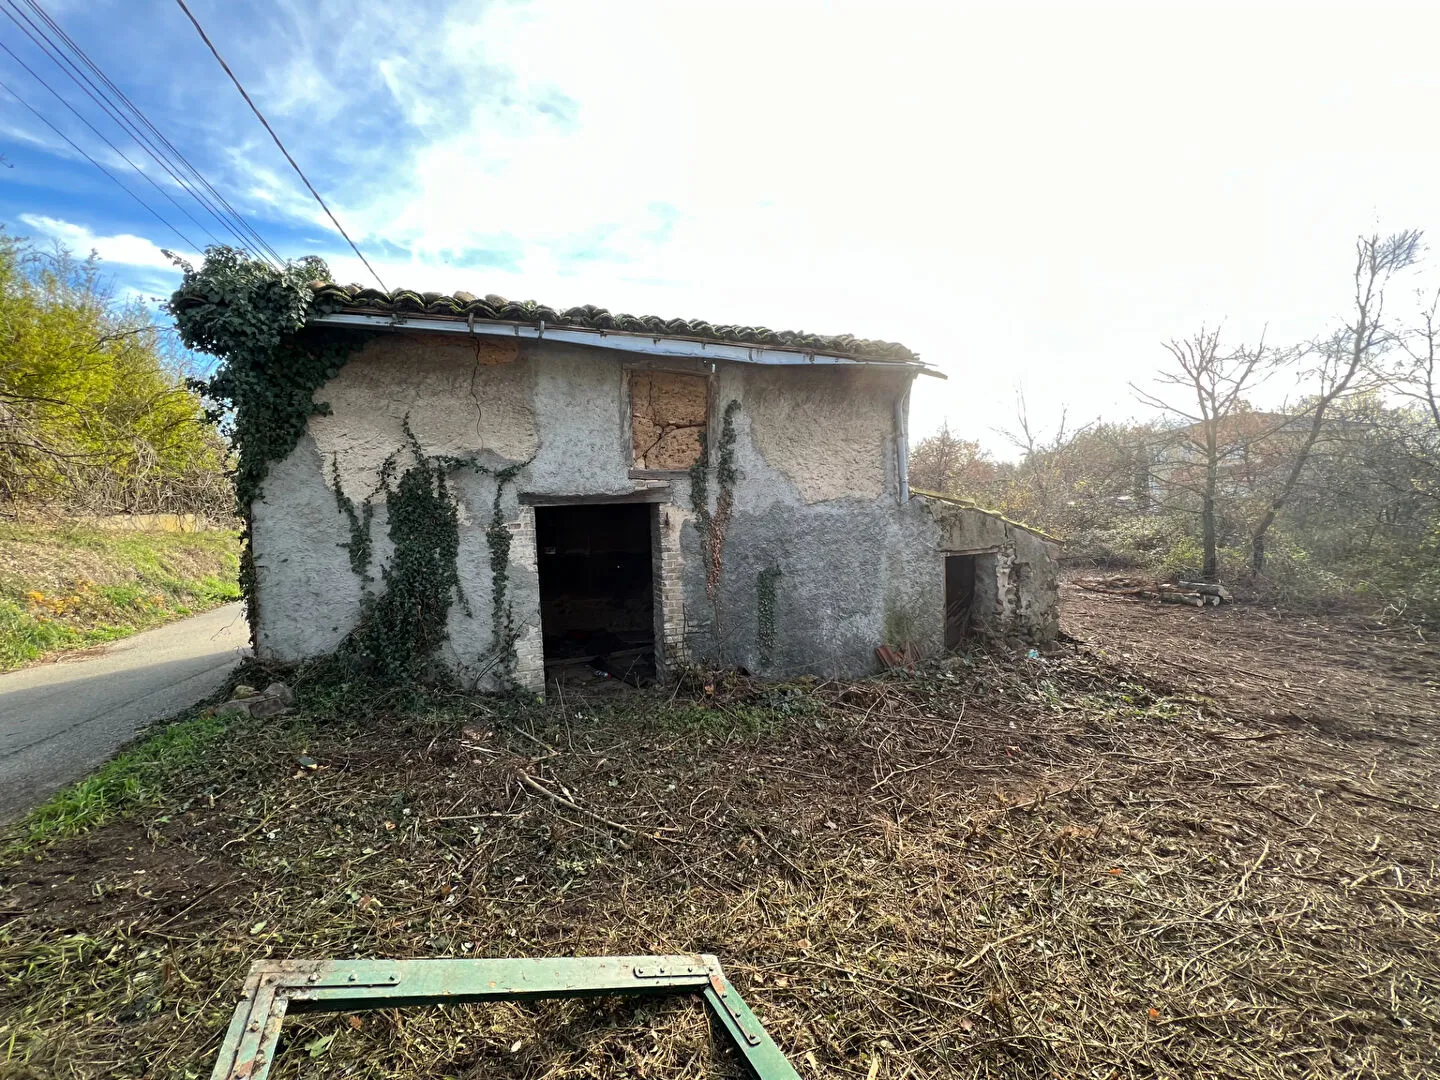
(1190,842)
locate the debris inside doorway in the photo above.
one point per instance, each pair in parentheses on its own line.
(597,591)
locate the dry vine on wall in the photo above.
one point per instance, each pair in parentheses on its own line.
(714,524)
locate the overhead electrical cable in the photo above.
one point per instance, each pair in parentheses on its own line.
(56,55)
(103,138)
(165,153)
(80,150)
(266,124)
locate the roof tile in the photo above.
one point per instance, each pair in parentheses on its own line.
(330,297)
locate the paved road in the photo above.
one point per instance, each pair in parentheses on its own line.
(58,721)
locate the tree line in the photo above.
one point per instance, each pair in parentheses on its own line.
(95,413)
(1334,493)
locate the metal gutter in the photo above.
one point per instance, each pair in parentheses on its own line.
(620,340)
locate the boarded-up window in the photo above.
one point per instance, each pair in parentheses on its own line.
(667,418)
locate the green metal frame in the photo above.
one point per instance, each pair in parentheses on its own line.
(277,987)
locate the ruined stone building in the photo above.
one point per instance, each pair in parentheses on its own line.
(716,494)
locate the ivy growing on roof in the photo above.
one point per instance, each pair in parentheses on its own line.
(253,317)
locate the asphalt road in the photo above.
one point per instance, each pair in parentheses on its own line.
(59,721)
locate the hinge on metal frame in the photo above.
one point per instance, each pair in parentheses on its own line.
(666,972)
(722,995)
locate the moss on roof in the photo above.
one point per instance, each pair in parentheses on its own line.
(968,504)
(330,297)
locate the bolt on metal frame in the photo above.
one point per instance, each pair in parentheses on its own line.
(277,987)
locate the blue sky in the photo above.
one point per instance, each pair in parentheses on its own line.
(1033,196)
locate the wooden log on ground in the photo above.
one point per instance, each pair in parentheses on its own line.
(1192,599)
(1207,588)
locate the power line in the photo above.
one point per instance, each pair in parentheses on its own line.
(230,218)
(76,147)
(57,56)
(261,117)
(120,153)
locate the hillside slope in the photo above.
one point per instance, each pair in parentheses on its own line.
(69,587)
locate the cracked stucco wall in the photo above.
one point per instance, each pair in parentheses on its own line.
(817,496)
(829,430)
(459,397)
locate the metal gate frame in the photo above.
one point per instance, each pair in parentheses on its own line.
(277,987)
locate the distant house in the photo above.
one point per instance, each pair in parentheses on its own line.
(670,490)
(1256,449)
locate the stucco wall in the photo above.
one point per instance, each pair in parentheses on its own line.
(829,431)
(1018,590)
(816,497)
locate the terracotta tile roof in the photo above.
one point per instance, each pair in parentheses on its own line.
(330,297)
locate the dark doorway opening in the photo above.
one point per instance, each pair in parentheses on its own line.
(597,596)
(959,599)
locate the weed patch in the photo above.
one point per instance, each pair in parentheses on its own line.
(137,778)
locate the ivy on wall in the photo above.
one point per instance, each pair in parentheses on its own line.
(359,547)
(403,625)
(765,583)
(253,317)
(713,525)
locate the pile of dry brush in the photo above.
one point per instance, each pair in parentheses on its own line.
(1062,868)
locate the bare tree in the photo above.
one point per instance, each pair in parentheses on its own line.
(1343,358)
(1213,384)
(1418,377)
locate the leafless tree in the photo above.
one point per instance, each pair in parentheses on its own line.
(1418,376)
(1209,389)
(1344,358)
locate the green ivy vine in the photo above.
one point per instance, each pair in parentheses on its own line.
(765,583)
(253,317)
(359,547)
(403,625)
(713,524)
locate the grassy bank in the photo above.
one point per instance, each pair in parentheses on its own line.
(69,586)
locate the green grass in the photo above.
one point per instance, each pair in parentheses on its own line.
(69,587)
(137,778)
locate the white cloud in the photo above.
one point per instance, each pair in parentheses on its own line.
(1023,193)
(124,249)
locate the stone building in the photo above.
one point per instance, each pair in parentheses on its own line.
(671,492)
